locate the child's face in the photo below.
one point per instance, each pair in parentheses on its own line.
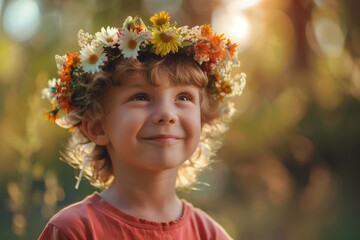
(153,128)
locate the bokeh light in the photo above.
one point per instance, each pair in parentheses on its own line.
(241,4)
(21,19)
(288,168)
(234,24)
(329,35)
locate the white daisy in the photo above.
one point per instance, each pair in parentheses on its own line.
(129,44)
(92,58)
(109,36)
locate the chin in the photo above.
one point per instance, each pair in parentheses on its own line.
(166,164)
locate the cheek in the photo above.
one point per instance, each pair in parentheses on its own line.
(194,124)
(195,136)
(123,124)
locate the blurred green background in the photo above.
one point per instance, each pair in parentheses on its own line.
(290,164)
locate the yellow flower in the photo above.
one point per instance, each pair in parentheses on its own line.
(165,41)
(160,19)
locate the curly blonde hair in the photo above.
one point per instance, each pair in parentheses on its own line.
(89,97)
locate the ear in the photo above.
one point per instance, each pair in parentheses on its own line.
(94,131)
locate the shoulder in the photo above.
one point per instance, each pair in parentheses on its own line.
(72,221)
(205,224)
(75,213)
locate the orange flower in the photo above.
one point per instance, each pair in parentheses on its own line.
(64,103)
(138,28)
(73,59)
(216,55)
(217,40)
(51,116)
(232,48)
(225,88)
(206,31)
(217,47)
(65,76)
(66,70)
(201,48)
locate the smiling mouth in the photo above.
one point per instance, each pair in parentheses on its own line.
(162,138)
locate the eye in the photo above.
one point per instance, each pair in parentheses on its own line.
(140,97)
(184,97)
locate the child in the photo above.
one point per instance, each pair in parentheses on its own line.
(145,106)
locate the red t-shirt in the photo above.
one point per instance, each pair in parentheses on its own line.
(94,218)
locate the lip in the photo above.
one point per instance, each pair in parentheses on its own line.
(162,138)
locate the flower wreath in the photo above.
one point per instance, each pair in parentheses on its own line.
(215,54)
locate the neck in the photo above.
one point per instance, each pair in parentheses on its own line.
(148,195)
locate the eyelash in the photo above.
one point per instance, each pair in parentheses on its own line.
(140,95)
(145,97)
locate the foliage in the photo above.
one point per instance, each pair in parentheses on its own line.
(289,165)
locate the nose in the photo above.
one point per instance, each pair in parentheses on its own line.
(164,114)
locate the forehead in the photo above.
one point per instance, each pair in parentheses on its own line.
(141,80)
(138,82)
(157,73)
